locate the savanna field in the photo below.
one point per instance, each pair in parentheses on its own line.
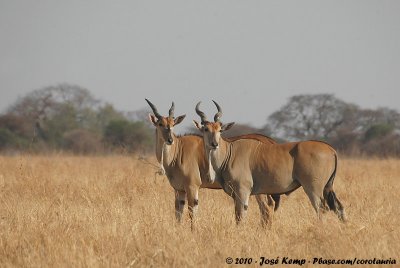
(112,211)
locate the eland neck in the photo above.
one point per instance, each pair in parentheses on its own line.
(218,157)
(165,153)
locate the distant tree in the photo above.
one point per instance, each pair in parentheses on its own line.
(387,145)
(6,138)
(43,103)
(348,128)
(51,111)
(346,141)
(66,117)
(311,117)
(61,121)
(17,125)
(10,141)
(15,132)
(378,131)
(381,116)
(132,136)
(107,113)
(139,115)
(82,141)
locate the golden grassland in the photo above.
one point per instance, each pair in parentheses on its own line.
(74,211)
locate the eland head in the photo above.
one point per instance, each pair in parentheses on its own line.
(165,124)
(211,130)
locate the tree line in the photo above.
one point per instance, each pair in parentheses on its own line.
(349,128)
(69,118)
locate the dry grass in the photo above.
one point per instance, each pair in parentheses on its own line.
(68,211)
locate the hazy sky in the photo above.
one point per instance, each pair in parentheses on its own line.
(250,56)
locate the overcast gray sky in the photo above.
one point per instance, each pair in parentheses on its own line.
(250,56)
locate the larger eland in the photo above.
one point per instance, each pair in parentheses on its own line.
(247,167)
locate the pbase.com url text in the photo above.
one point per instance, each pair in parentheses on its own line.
(320,261)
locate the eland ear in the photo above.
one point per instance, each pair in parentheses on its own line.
(227,126)
(153,119)
(179,119)
(197,125)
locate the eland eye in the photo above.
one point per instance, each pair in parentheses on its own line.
(206,129)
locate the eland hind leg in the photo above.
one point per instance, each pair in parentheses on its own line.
(331,199)
(334,204)
(267,206)
(325,199)
(316,200)
(315,166)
